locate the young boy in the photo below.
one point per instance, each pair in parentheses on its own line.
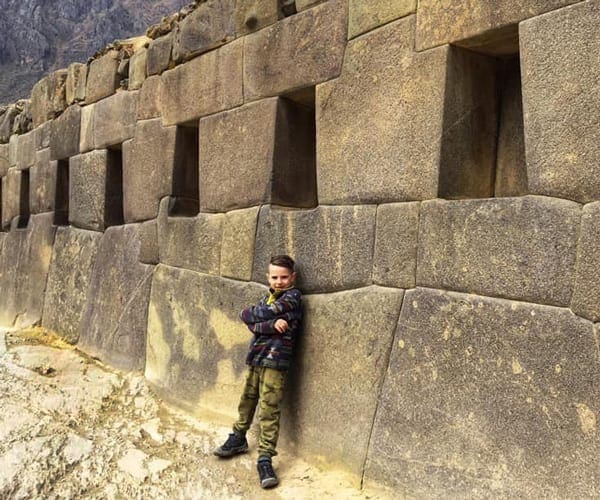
(275,322)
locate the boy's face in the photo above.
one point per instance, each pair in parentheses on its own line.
(280,277)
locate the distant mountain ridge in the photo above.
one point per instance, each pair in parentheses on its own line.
(40,36)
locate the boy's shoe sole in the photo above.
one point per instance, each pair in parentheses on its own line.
(269,482)
(238,450)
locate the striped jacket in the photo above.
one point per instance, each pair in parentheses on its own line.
(268,347)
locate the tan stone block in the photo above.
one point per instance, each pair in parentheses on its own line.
(86,137)
(253,15)
(340,368)
(103,78)
(48,97)
(41,135)
(149,99)
(13,148)
(208,84)
(149,253)
(137,69)
(4,159)
(76,83)
(114,119)
(65,134)
(42,187)
(365,15)
(237,248)
(148,162)
(521,248)
(196,343)
(561,102)
(275,64)
(159,54)
(477,23)
(7,120)
(25,151)
(11,196)
(493,392)
(209,26)
(69,281)
(332,245)
(277,159)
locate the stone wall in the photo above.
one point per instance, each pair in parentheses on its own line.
(435,172)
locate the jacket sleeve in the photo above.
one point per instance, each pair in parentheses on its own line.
(288,307)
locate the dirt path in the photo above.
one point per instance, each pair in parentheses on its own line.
(73,428)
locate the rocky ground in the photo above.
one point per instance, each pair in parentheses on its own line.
(71,427)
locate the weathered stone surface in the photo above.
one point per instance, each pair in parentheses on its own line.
(277,160)
(65,134)
(149,242)
(148,169)
(88,182)
(586,294)
(48,97)
(4,159)
(521,248)
(159,55)
(299,51)
(254,15)
(69,281)
(42,187)
(103,78)
(476,23)
(210,25)
(13,148)
(306,4)
(41,136)
(114,119)
(7,120)
(487,398)
(561,102)
(149,99)
(14,246)
(196,343)
(115,318)
(395,255)
(190,242)
(237,248)
(208,84)
(11,196)
(365,15)
(333,246)
(137,69)
(412,132)
(86,137)
(76,83)
(511,168)
(344,350)
(25,151)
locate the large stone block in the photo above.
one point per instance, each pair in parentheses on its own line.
(115,317)
(41,135)
(520,248)
(196,343)
(159,55)
(148,162)
(208,84)
(237,248)
(395,254)
(65,134)
(477,23)
(42,183)
(209,26)
(103,77)
(149,99)
(586,293)
(4,159)
(114,119)
(560,75)
(333,246)
(48,97)
(7,120)
(11,196)
(13,148)
(76,82)
(299,51)
(25,150)
(339,369)
(192,243)
(137,69)
(366,15)
(69,281)
(253,15)
(277,161)
(86,135)
(432,122)
(14,246)
(487,398)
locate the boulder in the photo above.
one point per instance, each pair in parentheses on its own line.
(237,247)
(158,58)
(521,248)
(65,134)
(365,15)
(76,83)
(277,160)
(299,51)
(103,78)
(208,84)
(7,120)
(332,245)
(115,317)
(560,96)
(253,15)
(482,395)
(48,97)
(137,69)
(114,119)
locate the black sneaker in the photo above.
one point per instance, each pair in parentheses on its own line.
(235,444)
(266,474)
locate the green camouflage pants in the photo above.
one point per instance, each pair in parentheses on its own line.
(264,386)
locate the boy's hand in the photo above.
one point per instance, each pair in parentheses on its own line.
(281,325)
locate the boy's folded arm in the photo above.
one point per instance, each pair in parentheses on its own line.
(288,303)
(263,327)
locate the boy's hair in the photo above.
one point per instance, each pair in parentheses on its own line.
(283,261)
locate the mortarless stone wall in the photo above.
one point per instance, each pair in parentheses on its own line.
(435,171)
